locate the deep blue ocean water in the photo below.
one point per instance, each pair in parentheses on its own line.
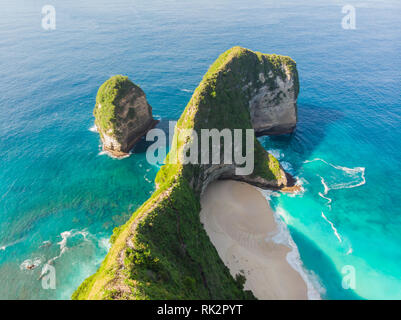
(61,198)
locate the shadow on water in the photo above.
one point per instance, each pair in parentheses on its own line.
(310,132)
(143,145)
(321,265)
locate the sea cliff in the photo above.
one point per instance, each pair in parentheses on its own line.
(163,251)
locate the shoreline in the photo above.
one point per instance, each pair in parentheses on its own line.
(250,240)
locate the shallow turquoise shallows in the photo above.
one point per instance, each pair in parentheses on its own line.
(60,197)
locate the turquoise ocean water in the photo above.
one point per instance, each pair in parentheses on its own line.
(60,198)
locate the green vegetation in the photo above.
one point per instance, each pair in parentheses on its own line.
(163,251)
(220,102)
(108,98)
(171,256)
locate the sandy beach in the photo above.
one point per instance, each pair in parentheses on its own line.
(240,224)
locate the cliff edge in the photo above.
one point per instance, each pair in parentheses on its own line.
(163,251)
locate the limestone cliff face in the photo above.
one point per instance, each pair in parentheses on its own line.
(242,90)
(122,115)
(163,251)
(273,106)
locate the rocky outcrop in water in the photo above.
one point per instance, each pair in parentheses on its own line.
(122,115)
(163,251)
(244,89)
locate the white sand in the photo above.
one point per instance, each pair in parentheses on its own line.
(240,224)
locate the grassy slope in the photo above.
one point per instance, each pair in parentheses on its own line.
(169,255)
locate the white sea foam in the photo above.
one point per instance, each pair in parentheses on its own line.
(269,193)
(104,243)
(30,264)
(329,200)
(104,152)
(333,228)
(357,175)
(93,128)
(293,257)
(63,243)
(280,212)
(185,90)
(3,248)
(287,167)
(283,236)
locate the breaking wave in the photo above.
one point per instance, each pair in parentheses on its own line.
(93,128)
(63,243)
(283,236)
(351,177)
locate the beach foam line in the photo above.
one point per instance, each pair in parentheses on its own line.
(294,259)
(283,236)
(268,193)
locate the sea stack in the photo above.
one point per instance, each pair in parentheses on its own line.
(122,115)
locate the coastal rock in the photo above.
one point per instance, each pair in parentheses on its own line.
(273,106)
(122,115)
(163,251)
(243,89)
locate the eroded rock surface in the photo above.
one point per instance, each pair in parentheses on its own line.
(273,107)
(122,115)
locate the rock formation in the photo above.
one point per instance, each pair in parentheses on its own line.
(243,90)
(163,251)
(273,102)
(122,115)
